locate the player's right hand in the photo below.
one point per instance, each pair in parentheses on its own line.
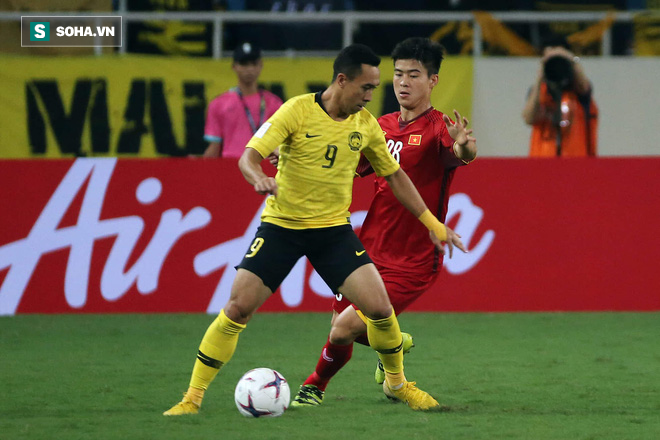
(267,185)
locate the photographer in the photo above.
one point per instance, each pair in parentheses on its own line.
(560,108)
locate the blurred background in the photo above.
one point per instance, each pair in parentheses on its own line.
(178,55)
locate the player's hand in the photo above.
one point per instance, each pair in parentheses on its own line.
(458,131)
(267,185)
(453,239)
(274,157)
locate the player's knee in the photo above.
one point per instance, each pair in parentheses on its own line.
(238,312)
(341,336)
(380,311)
(247,293)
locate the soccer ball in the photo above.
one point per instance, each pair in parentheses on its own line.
(262,392)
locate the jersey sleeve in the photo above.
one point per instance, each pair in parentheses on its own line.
(213,127)
(377,153)
(284,122)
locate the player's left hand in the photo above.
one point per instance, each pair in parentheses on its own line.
(453,239)
(458,131)
(274,157)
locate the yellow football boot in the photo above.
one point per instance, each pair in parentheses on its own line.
(185,407)
(412,396)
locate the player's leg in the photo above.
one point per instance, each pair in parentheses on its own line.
(339,258)
(347,327)
(221,337)
(340,303)
(332,358)
(335,253)
(403,288)
(365,288)
(219,343)
(268,260)
(408,344)
(335,354)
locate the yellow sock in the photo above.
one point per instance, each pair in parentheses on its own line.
(385,337)
(216,349)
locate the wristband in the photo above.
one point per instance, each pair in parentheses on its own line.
(455,148)
(433,225)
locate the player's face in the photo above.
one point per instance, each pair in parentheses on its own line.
(412,83)
(248,72)
(359,91)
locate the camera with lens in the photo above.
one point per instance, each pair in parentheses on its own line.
(558,72)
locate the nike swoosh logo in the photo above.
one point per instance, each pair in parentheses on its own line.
(360,253)
(312,135)
(326,357)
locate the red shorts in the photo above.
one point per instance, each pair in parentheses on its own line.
(403,288)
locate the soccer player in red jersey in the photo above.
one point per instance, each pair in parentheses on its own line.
(429,146)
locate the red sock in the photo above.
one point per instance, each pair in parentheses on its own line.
(333,358)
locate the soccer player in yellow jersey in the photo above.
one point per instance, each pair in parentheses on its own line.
(320,137)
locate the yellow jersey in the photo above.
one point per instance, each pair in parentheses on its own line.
(318,158)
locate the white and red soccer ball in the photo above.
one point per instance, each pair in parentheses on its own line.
(262,392)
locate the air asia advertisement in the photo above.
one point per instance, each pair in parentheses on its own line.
(163,235)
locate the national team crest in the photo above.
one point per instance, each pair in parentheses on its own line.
(355,141)
(415,139)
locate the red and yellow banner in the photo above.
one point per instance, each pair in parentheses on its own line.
(140,235)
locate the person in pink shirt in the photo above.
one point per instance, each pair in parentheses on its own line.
(233,117)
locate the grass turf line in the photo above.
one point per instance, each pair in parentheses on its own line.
(514,376)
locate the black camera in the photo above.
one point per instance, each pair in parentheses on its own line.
(558,71)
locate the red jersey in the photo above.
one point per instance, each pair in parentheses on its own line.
(392,236)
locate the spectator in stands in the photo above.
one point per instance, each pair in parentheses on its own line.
(236,115)
(560,107)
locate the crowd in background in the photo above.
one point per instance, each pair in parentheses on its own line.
(196,38)
(188,38)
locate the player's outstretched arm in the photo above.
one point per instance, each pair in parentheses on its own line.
(250,166)
(407,194)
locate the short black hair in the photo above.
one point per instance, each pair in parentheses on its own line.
(429,53)
(351,58)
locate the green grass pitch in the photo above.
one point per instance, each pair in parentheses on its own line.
(561,376)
